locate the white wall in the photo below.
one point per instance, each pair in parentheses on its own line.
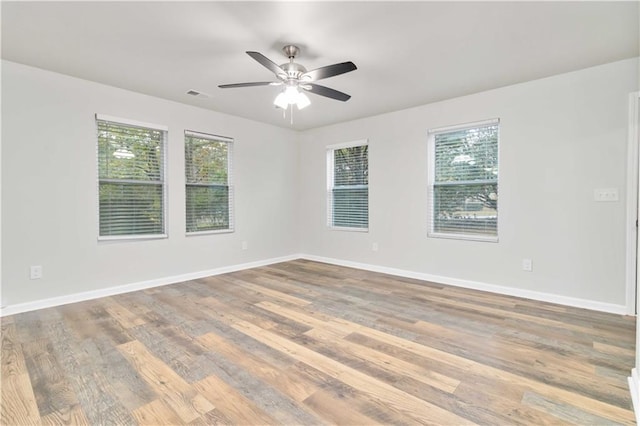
(634,383)
(560,138)
(49,193)
(638,242)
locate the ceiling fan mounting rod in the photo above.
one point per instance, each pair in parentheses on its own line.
(293,70)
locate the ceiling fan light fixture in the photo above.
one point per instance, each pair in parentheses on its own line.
(291,96)
(303,100)
(281,101)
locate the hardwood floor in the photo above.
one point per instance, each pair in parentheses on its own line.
(308,343)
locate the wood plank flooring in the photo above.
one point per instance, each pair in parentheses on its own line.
(308,343)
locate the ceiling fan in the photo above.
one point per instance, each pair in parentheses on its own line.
(294,77)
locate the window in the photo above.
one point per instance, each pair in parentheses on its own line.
(463,181)
(131,174)
(209,193)
(348,186)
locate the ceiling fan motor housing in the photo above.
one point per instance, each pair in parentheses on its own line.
(293,70)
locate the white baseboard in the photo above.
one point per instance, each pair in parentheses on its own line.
(633,388)
(477,285)
(126,288)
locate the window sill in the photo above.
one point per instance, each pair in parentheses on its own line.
(211,232)
(345,228)
(114,238)
(465,237)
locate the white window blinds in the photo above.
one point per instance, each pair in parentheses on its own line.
(130,179)
(348,186)
(463,181)
(209,190)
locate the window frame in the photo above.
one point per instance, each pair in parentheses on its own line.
(431,181)
(163,175)
(231,196)
(330,149)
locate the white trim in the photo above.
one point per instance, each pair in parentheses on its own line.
(102,238)
(329,198)
(231,179)
(467,237)
(431,177)
(361,142)
(464,126)
(1,287)
(211,232)
(477,285)
(632,203)
(130,122)
(633,388)
(165,182)
(126,288)
(348,228)
(208,136)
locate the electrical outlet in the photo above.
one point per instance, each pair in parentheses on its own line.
(374,246)
(245,245)
(35,272)
(605,194)
(527,265)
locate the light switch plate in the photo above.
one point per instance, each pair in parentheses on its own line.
(35,272)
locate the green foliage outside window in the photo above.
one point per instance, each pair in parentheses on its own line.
(351,187)
(465,187)
(131,182)
(207,183)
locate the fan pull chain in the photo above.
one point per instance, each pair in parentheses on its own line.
(284,114)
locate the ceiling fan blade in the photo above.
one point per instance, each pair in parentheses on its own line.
(257,83)
(269,64)
(328,71)
(325,91)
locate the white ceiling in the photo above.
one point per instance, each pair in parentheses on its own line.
(407,53)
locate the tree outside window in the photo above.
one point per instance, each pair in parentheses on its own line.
(464,181)
(208,189)
(131,180)
(348,195)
